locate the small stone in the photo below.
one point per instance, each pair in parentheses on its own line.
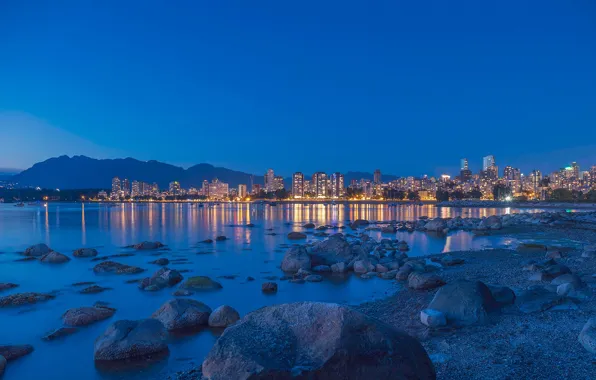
(93,289)
(340,267)
(221,238)
(160,261)
(433,318)
(313,278)
(269,287)
(564,289)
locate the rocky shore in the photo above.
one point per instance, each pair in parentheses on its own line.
(519,204)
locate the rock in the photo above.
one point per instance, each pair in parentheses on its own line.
(223,316)
(296,235)
(126,339)
(322,269)
(464,302)
(554,271)
(207,241)
(93,289)
(249,278)
(182,313)
(19,299)
(403,246)
(315,341)
(313,278)
(340,267)
(359,223)
(37,250)
(568,278)
(502,295)
(12,352)
(201,283)
(117,268)
(83,316)
(493,222)
(403,273)
(309,225)
(587,337)
(449,261)
(295,258)
(390,229)
(435,225)
(160,261)
(148,245)
(54,258)
(59,333)
(554,255)
(182,293)
(331,250)
(161,279)
(85,252)
(379,268)
(7,285)
(269,287)
(424,281)
(537,299)
(564,289)
(531,248)
(432,318)
(221,238)
(363,266)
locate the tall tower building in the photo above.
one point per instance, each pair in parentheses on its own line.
(575,169)
(174,188)
(126,187)
(488,162)
(116,185)
(136,189)
(465,174)
(270,181)
(463,164)
(377,176)
(319,184)
(337,185)
(242,190)
(298,185)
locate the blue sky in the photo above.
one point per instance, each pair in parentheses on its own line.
(409,87)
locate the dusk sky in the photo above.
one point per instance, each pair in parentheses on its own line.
(409,87)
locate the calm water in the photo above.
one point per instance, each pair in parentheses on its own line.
(249,252)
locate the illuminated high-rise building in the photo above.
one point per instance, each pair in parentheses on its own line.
(464,164)
(125,187)
(174,188)
(536,178)
(465,174)
(298,185)
(116,186)
(319,184)
(575,170)
(136,189)
(217,189)
(269,179)
(488,162)
(278,183)
(242,191)
(377,176)
(337,185)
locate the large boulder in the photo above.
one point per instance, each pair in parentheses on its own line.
(54,258)
(359,223)
(269,287)
(126,339)
(83,316)
(424,281)
(201,283)
(85,252)
(310,340)
(13,351)
(587,337)
(37,250)
(161,279)
(575,280)
(182,313)
(148,245)
(491,223)
(332,250)
(363,266)
(296,235)
(223,316)
(19,299)
(464,302)
(117,268)
(436,225)
(296,258)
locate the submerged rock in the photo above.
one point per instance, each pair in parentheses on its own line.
(19,299)
(59,333)
(37,250)
(182,313)
(315,340)
(160,261)
(296,235)
(201,283)
(85,252)
(14,351)
(221,238)
(54,258)
(161,279)
(309,226)
(223,316)
(117,268)
(127,339)
(269,287)
(148,245)
(7,285)
(93,289)
(83,316)
(313,278)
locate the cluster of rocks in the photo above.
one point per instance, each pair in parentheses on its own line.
(9,353)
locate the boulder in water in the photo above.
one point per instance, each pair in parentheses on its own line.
(296,235)
(15,351)
(269,287)
(223,316)
(54,258)
(117,268)
(148,245)
(182,313)
(19,299)
(161,279)
(127,339)
(85,252)
(201,283)
(83,316)
(37,250)
(295,258)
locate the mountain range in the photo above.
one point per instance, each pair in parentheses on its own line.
(81,172)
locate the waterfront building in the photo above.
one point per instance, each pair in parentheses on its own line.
(278,183)
(269,179)
(256,188)
(575,170)
(319,184)
(488,162)
(135,190)
(174,188)
(464,164)
(242,190)
(298,185)
(125,187)
(102,194)
(337,185)
(116,185)
(217,189)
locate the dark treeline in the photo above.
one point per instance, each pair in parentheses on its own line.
(33,195)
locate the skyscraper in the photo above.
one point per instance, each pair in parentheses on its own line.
(488,162)
(337,185)
(270,181)
(575,169)
(463,164)
(174,188)
(465,174)
(319,184)
(126,187)
(536,178)
(298,185)
(377,176)
(242,190)
(116,186)
(136,189)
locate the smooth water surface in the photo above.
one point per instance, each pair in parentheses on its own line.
(252,252)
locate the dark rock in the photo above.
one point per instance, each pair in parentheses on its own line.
(537,299)
(83,316)
(12,352)
(131,340)
(117,268)
(568,278)
(85,252)
(313,278)
(315,341)
(309,225)
(587,337)
(359,223)
(322,269)
(161,279)
(148,245)
(502,295)
(19,299)
(182,313)
(296,235)
(54,258)
(160,261)
(449,261)
(93,289)
(207,241)
(339,267)
(531,248)
(37,250)
(464,302)
(363,266)
(7,285)
(201,283)
(296,258)
(221,238)
(424,281)
(59,333)
(223,316)
(269,287)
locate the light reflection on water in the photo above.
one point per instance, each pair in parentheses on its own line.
(249,252)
